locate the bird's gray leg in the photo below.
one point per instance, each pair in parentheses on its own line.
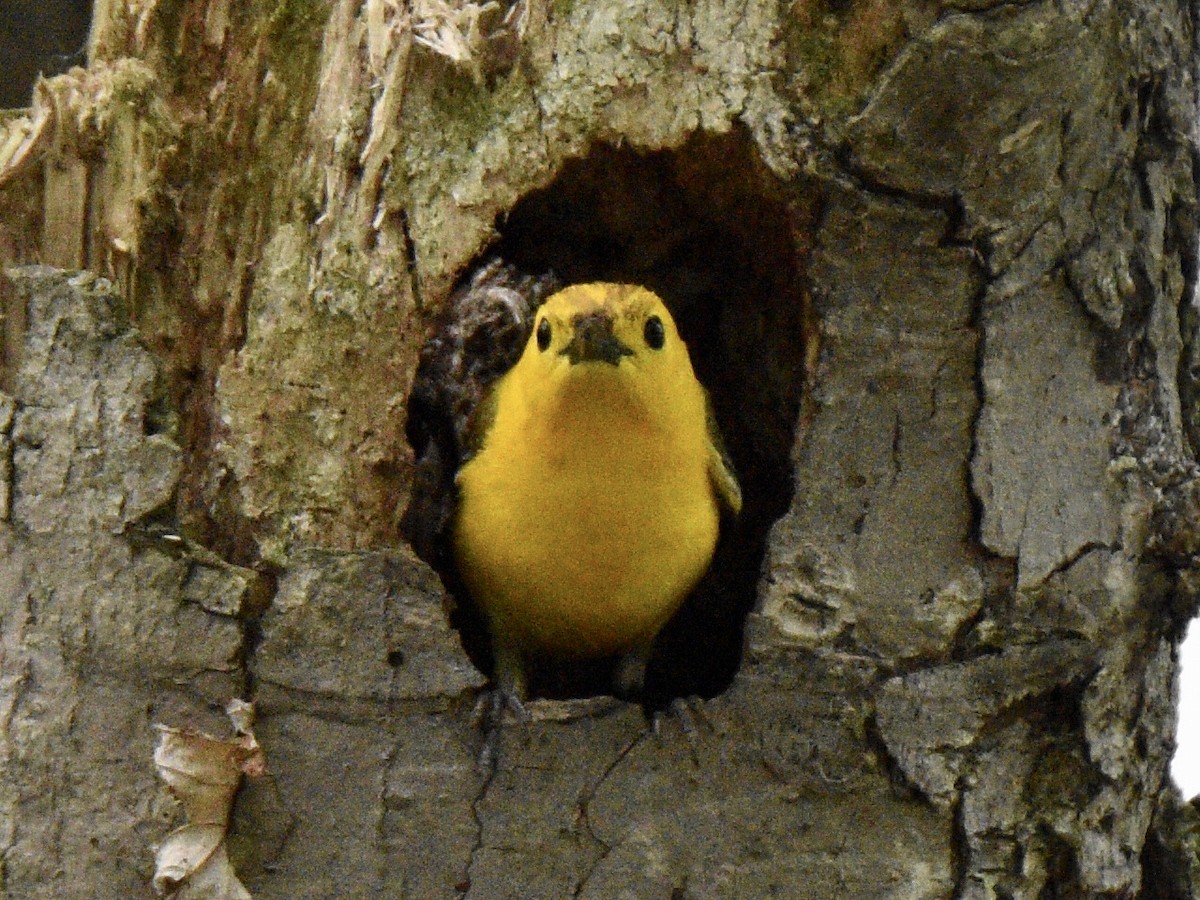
(629,674)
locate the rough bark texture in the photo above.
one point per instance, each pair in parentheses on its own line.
(106,627)
(959,672)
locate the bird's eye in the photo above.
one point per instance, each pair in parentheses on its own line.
(543,334)
(654,333)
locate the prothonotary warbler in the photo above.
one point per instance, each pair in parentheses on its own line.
(591,504)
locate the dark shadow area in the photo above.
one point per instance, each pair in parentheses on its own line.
(720,239)
(39,37)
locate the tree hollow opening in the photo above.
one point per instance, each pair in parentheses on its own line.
(710,230)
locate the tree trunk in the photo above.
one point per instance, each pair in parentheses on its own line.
(936,262)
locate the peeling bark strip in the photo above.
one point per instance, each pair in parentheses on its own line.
(959,677)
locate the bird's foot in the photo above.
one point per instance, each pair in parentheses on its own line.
(689,713)
(493,709)
(507,700)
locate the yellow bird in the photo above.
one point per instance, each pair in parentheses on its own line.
(591,505)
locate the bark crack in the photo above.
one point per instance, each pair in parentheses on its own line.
(897,453)
(960,844)
(1079,553)
(586,797)
(410,256)
(950,204)
(490,764)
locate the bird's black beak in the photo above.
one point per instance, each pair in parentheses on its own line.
(594,341)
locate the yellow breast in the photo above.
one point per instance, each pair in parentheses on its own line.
(581,535)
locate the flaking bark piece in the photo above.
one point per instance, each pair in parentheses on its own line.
(204,772)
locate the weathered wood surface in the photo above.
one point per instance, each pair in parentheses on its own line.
(958,676)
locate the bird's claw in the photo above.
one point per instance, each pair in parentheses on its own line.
(507,700)
(689,713)
(495,706)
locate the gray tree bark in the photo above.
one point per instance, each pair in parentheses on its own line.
(954,348)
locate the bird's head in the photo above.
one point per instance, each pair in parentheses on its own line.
(610,338)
